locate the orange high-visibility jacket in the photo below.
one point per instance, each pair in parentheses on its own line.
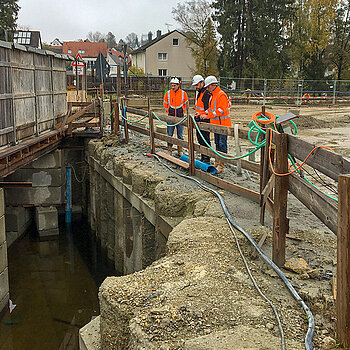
(175,103)
(201,106)
(219,110)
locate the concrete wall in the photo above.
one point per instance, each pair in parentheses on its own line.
(123,221)
(47,175)
(4,280)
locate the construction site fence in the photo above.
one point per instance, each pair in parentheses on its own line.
(239,89)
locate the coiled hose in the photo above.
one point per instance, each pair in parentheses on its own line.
(311,321)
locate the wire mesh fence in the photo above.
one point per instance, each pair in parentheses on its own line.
(295,91)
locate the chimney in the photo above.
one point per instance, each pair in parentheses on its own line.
(159,33)
(150,36)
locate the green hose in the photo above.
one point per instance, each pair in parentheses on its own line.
(220,155)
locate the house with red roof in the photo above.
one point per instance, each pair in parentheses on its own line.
(88,50)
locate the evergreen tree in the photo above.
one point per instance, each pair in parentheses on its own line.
(311,36)
(338,53)
(8,16)
(253,36)
(111,41)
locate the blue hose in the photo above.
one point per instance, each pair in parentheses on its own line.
(201,165)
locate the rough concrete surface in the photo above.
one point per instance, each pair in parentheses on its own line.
(199,292)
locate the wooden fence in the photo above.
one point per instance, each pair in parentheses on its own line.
(33,91)
(274,189)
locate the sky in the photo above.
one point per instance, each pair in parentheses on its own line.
(73,20)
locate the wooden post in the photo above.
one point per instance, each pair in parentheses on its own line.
(280,221)
(264,172)
(238,150)
(343,262)
(111,114)
(151,128)
(101,92)
(116,118)
(190,144)
(119,83)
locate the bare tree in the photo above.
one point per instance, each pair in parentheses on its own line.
(194,16)
(96,37)
(132,40)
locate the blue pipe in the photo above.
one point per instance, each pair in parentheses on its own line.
(68,216)
(200,165)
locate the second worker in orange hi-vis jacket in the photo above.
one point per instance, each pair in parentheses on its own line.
(175,104)
(219,114)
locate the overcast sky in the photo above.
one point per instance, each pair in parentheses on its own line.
(74,19)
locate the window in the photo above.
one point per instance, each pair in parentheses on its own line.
(81,51)
(22,37)
(69,51)
(162,72)
(175,42)
(162,56)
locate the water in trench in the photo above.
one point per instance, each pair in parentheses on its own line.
(54,284)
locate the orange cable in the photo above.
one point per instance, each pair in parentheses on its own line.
(299,166)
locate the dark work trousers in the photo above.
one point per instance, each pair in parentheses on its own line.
(206,136)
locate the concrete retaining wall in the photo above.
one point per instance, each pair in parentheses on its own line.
(184,284)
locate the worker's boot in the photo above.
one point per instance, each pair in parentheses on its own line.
(170,150)
(179,151)
(220,166)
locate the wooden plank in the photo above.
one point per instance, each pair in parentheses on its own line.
(75,116)
(138,129)
(260,244)
(343,262)
(246,164)
(267,190)
(280,221)
(190,145)
(229,186)
(329,163)
(6,130)
(318,203)
(136,111)
(151,129)
(174,160)
(169,139)
(265,173)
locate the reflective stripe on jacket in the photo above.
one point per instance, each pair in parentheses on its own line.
(202,102)
(219,110)
(175,103)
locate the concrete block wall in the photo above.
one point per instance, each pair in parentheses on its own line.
(4,280)
(18,219)
(124,233)
(48,178)
(46,219)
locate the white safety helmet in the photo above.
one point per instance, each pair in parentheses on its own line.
(174,80)
(197,79)
(210,80)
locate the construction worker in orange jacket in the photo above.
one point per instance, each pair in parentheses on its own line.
(202,105)
(175,104)
(219,114)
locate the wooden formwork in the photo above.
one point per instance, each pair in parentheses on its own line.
(33,93)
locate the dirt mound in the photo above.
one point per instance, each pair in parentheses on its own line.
(312,122)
